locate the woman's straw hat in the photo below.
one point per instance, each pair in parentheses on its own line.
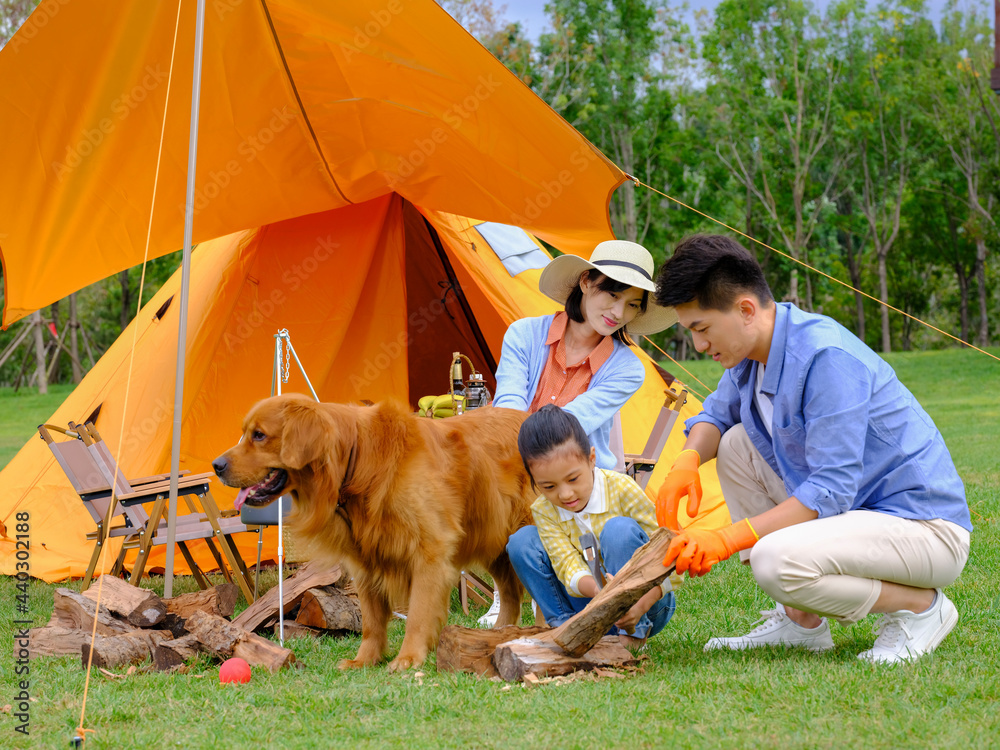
(620,260)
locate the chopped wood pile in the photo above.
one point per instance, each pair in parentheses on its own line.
(134,625)
(579,644)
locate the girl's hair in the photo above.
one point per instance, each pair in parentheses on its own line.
(604,284)
(547,429)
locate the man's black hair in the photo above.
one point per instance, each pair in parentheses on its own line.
(546,430)
(712,270)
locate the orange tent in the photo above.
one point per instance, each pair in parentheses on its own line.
(305,107)
(336,147)
(375,297)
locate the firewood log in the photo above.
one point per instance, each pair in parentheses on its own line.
(219,600)
(524,656)
(76,612)
(471,649)
(119,650)
(140,607)
(265,608)
(329,608)
(581,632)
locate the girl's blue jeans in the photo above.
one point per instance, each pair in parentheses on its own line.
(620,538)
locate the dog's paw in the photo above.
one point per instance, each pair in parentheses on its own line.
(403,662)
(345,664)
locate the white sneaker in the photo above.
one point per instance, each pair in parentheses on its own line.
(777,629)
(904,635)
(490,618)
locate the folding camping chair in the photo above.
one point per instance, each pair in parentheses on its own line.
(90,468)
(640,466)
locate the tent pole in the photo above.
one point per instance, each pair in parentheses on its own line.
(175,449)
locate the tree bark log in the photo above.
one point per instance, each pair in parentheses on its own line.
(329,608)
(140,607)
(471,649)
(307,577)
(174,653)
(115,651)
(581,632)
(53,640)
(219,600)
(75,611)
(524,656)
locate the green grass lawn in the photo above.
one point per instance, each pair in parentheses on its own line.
(684,698)
(22,412)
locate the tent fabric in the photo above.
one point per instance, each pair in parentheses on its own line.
(305,107)
(345,283)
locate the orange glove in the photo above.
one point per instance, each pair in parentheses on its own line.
(682,480)
(697,550)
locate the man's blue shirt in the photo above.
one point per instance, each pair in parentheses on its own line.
(846,433)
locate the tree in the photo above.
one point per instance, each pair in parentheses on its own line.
(599,71)
(774,83)
(966,121)
(898,37)
(13,14)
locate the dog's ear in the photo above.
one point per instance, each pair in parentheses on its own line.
(305,435)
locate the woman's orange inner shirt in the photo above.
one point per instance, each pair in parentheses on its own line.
(559,384)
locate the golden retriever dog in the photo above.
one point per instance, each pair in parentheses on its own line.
(405,502)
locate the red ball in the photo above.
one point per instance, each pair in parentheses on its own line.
(234,670)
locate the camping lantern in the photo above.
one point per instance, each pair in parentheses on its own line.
(476,392)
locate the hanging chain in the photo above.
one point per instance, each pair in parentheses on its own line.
(286,370)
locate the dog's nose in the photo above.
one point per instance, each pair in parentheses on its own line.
(220,465)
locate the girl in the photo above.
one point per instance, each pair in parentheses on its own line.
(580,359)
(577,498)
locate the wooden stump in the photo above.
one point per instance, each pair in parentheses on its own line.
(140,607)
(471,649)
(525,656)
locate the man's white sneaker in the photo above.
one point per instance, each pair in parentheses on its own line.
(490,618)
(904,635)
(777,629)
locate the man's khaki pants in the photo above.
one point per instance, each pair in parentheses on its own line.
(833,566)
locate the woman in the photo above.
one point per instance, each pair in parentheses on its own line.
(579,359)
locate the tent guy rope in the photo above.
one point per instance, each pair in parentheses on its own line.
(639,182)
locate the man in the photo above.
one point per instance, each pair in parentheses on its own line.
(844,496)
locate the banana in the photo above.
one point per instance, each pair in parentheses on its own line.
(445,401)
(441,413)
(426,402)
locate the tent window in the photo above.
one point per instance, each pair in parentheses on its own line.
(515,249)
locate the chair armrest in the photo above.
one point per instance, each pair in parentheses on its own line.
(155,478)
